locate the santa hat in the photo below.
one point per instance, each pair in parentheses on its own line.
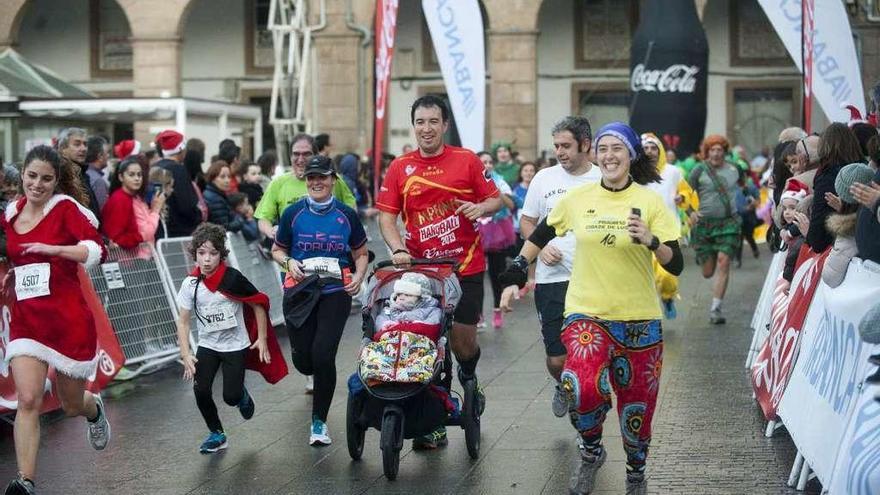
(127,148)
(170,142)
(795,190)
(855,115)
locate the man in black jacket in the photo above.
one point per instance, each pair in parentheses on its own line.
(183,210)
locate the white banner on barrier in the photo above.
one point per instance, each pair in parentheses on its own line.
(857,470)
(824,385)
(761,319)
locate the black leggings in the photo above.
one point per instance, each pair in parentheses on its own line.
(314,346)
(209,361)
(496,264)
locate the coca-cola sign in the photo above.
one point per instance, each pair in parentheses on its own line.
(677,78)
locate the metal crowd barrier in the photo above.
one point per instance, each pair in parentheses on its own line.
(132,290)
(262,272)
(246,257)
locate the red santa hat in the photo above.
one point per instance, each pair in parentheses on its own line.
(795,190)
(127,148)
(170,142)
(855,115)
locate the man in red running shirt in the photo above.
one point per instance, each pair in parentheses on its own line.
(441,191)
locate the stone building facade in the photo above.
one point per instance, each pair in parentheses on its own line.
(538,67)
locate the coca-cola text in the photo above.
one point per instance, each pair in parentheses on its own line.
(677,78)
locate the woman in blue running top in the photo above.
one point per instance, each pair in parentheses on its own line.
(322,244)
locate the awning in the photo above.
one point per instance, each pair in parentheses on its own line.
(131,110)
(20,78)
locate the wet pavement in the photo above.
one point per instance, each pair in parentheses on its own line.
(708,432)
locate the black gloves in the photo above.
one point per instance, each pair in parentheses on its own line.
(516,274)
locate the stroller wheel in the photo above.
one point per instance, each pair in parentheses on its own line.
(470,419)
(354,434)
(391,441)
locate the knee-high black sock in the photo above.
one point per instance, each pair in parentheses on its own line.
(469,366)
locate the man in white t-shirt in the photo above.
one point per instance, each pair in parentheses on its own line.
(571,139)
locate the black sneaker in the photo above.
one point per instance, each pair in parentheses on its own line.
(246,405)
(20,486)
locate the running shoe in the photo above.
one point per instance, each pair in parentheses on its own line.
(246,405)
(560,402)
(716,317)
(481,323)
(320,434)
(98,432)
(636,484)
(20,486)
(216,441)
(669,311)
(582,480)
(310,384)
(497,319)
(431,441)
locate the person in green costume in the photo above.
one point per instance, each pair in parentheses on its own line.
(505,165)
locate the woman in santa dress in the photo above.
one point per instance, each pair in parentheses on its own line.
(48,233)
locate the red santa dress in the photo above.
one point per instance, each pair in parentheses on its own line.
(50,318)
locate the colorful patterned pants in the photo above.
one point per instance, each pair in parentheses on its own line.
(625,357)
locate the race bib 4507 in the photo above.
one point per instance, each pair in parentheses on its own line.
(32,281)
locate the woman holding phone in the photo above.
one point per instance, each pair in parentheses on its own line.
(612,331)
(127,220)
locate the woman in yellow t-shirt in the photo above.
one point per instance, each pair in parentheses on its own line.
(612,331)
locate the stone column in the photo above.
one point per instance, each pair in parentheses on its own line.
(513,108)
(156,52)
(156,66)
(341,69)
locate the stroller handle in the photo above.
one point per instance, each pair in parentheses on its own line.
(419,261)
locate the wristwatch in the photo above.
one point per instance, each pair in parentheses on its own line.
(655,243)
(396,251)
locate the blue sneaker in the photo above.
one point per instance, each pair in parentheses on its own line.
(215,441)
(320,434)
(669,311)
(246,405)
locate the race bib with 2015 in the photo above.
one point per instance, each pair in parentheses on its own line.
(218,317)
(32,281)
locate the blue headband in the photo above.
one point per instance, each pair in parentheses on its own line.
(624,133)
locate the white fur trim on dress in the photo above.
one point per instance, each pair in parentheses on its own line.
(12,209)
(62,364)
(94,250)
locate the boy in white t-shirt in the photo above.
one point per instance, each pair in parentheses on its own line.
(571,139)
(229,314)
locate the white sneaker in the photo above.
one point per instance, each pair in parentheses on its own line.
(310,384)
(98,432)
(320,434)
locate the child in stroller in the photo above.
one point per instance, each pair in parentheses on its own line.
(402,364)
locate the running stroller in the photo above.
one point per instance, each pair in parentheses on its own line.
(403,382)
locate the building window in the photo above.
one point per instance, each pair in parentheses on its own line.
(603,32)
(111,54)
(259,54)
(758,113)
(601,103)
(753,41)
